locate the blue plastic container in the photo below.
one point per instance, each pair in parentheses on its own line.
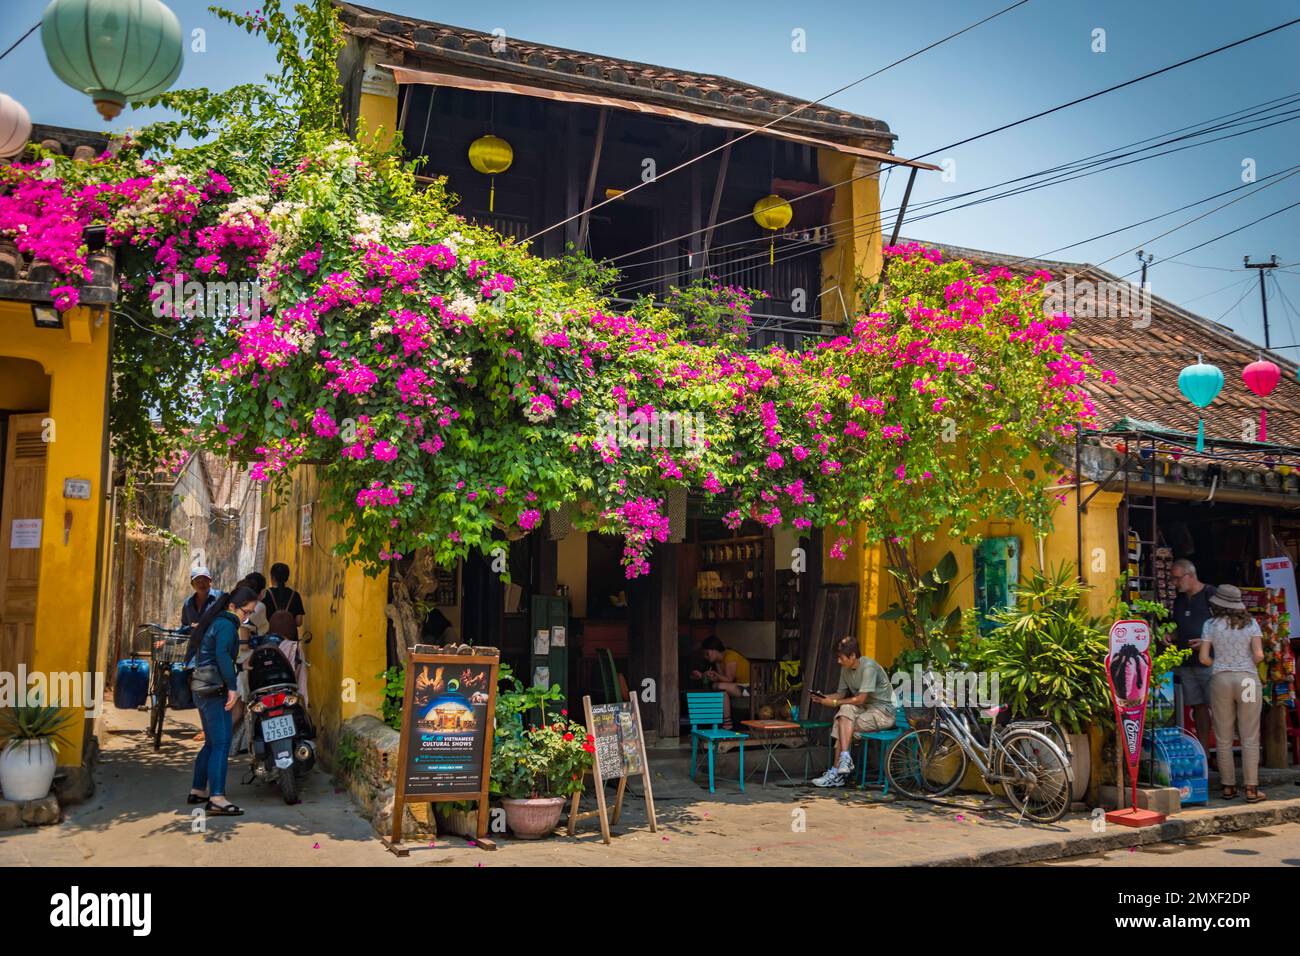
(132,687)
(179,695)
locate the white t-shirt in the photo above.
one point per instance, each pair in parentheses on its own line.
(1231,644)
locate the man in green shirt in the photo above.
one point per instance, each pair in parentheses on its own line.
(864,702)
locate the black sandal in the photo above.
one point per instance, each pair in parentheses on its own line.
(1253,795)
(229,810)
(1229,793)
(195,798)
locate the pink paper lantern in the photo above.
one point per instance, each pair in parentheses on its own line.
(1261,377)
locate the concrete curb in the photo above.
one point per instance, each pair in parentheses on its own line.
(1203,823)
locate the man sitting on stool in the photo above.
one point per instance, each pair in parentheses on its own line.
(864,702)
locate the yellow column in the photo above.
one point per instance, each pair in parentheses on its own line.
(378,107)
(76,436)
(855,215)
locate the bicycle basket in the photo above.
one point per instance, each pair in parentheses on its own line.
(919,717)
(169,649)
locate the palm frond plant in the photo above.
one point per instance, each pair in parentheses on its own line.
(1048,652)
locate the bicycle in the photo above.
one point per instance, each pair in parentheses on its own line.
(168,647)
(930,760)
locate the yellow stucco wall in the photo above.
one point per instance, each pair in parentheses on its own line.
(345,608)
(76,360)
(855,212)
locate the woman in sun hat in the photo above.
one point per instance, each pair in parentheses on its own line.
(1232,645)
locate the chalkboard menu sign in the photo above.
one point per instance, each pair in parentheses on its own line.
(446,743)
(618,741)
(620,754)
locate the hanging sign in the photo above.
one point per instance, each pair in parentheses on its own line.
(1128,672)
(620,753)
(446,736)
(1279,575)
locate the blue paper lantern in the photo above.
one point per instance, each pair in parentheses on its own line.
(1200,385)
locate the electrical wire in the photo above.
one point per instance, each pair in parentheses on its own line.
(13,46)
(773,122)
(1086,166)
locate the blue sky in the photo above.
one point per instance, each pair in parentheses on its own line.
(1032,58)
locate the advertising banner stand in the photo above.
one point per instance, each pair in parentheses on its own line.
(620,753)
(447,728)
(1128,671)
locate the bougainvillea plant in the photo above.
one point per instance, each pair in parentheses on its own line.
(453,388)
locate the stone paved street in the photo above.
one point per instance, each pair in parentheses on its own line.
(138,817)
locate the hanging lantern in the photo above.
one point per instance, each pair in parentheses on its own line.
(118,51)
(773,213)
(1261,377)
(15,126)
(1200,384)
(490,155)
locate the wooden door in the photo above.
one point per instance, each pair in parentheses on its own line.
(23,498)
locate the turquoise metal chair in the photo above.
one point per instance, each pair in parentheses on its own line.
(704,711)
(885,737)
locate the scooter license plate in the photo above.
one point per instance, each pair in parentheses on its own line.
(277,728)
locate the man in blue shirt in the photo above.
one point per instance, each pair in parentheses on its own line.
(204,596)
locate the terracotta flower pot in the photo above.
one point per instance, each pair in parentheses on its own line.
(534,818)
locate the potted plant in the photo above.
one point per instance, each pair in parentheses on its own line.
(30,736)
(538,758)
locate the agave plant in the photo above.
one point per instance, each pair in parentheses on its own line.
(34,721)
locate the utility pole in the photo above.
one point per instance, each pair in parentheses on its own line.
(1263,299)
(1146,260)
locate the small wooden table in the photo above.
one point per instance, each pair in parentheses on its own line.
(767,734)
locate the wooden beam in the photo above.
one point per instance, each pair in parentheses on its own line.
(591,178)
(718,185)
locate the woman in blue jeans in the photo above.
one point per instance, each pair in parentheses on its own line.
(219,647)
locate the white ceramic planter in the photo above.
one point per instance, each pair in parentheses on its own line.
(27,769)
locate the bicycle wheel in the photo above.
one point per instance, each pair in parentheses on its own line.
(159,710)
(1036,775)
(927,762)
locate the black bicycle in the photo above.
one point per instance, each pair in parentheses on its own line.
(168,648)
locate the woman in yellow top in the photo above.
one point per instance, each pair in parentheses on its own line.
(729,673)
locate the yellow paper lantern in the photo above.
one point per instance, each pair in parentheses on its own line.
(773,213)
(490,155)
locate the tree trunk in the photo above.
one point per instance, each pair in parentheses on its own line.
(410,590)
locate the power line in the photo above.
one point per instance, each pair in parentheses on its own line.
(773,122)
(1086,166)
(13,46)
(1112,89)
(1230,232)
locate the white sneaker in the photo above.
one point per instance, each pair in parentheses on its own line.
(831,778)
(845,766)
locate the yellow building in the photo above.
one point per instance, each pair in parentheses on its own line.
(54,488)
(583,127)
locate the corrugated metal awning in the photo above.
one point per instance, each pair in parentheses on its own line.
(410,77)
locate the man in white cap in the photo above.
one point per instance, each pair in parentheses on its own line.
(204,596)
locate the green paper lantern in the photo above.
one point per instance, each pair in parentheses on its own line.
(1200,385)
(117,51)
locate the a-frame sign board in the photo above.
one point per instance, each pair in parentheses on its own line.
(620,753)
(446,748)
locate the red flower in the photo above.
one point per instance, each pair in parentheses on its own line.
(589,748)
(590,739)
(568,736)
(564,713)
